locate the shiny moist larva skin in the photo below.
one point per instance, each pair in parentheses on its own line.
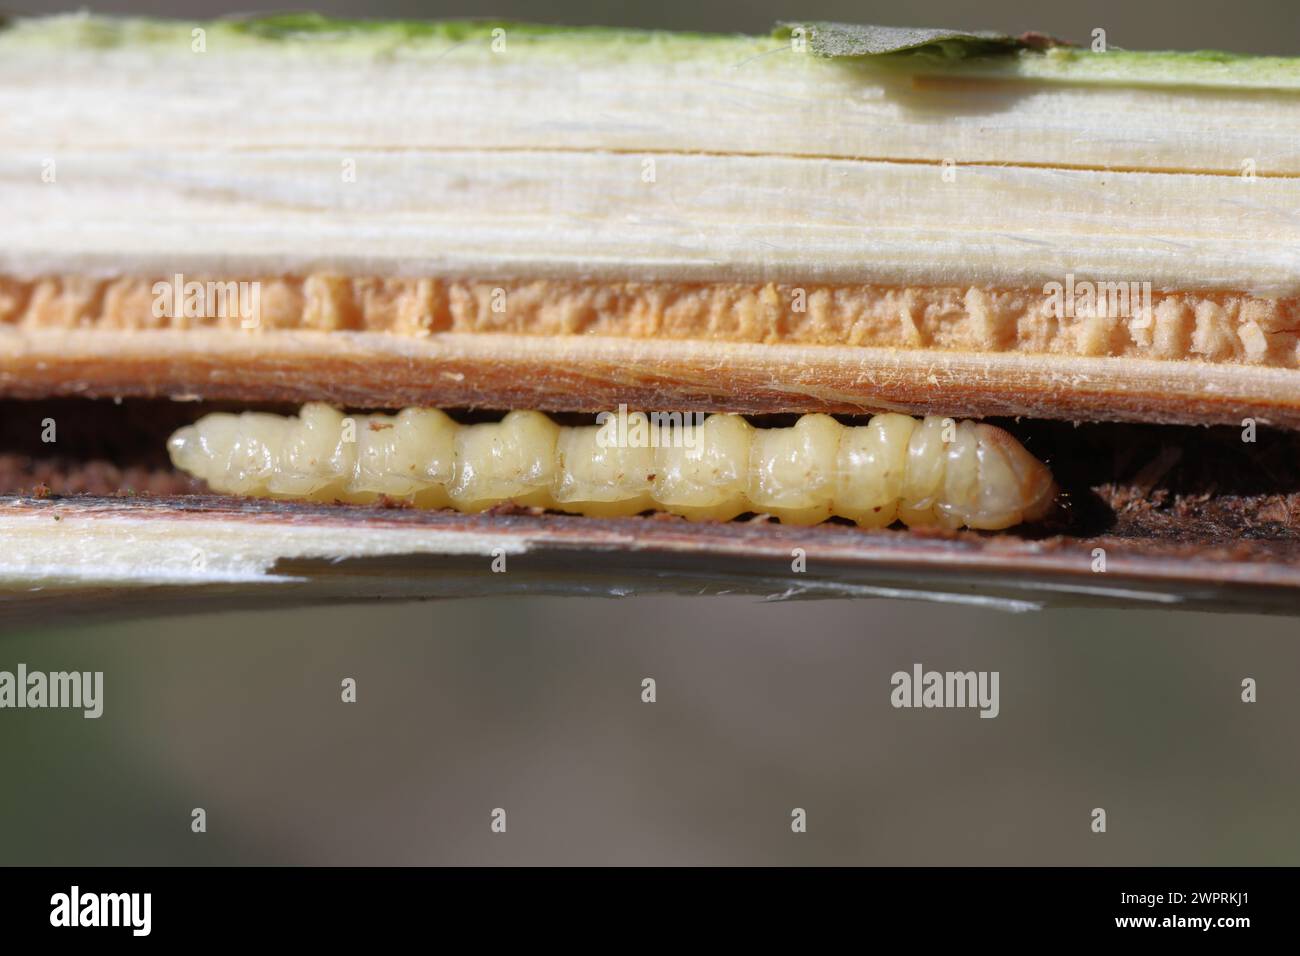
(931,472)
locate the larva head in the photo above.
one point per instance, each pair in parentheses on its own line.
(183,449)
(197,449)
(234,454)
(1015,486)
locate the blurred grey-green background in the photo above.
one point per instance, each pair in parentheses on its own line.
(534,705)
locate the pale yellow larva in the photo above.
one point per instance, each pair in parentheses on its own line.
(932,472)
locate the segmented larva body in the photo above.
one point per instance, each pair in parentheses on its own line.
(894,468)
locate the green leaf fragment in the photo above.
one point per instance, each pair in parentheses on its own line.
(850,39)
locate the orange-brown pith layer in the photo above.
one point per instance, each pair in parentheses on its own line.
(1230,328)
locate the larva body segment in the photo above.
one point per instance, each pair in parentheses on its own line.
(709,481)
(924,470)
(873,470)
(931,472)
(411,455)
(605,481)
(792,470)
(510,460)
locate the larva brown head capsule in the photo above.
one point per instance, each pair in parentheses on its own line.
(1015,486)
